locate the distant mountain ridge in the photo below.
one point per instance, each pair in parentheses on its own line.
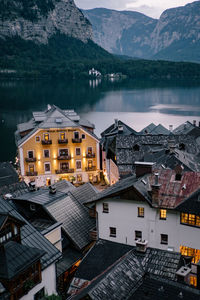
(175,36)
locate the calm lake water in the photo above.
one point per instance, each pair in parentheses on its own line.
(135,103)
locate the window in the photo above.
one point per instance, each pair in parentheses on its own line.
(90,177)
(163,214)
(30,154)
(46,153)
(193,280)
(6,234)
(89,150)
(78,151)
(46,137)
(63,152)
(62,136)
(105,208)
(164,239)
(31,168)
(32,207)
(190,219)
(47,167)
(113,231)
(83,136)
(89,164)
(138,235)
(64,166)
(78,164)
(79,178)
(76,135)
(194,253)
(15,230)
(141,212)
(37,139)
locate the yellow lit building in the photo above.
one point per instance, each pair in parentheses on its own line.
(57,144)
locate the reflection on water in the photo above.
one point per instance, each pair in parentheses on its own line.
(101,101)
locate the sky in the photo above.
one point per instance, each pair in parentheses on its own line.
(152,8)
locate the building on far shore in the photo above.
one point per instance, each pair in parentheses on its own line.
(57,144)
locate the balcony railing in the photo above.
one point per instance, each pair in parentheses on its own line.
(64,141)
(31,173)
(46,142)
(32,159)
(93,168)
(90,155)
(64,157)
(77,140)
(63,171)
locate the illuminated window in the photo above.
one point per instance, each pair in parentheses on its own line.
(138,235)
(163,214)
(90,177)
(194,253)
(79,178)
(63,152)
(62,136)
(89,150)
(64,166)
(193,280)
(190,219)
(164,239)
(37,139)
(105,208)
(78,151)
(31,168)
(141,212)
(89,164)
(46,153)
(78,164)
(46,136)
(113,231)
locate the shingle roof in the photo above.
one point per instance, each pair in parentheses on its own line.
(113,129)
(69,257)
(187,128)
(191,205)
(15,257)
(74,218)
(8,174)
(14,189)
(84,192)
(155,129)
(126,275)
(31,237)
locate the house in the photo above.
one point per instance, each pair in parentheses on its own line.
(59,214)
(94,73)
(57,144)
(188,128)
(27,258)
(131,274)
(155,130)
(146,208)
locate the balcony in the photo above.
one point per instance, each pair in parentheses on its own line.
(30,159)
(64,157)
(64,141)
(46,142)
(31,173)
(64,171)
(93,168)
(90,155)
(77,140)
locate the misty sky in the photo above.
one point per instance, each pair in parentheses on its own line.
(152,8)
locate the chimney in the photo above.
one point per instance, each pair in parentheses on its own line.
(142,168)
(179,171)
(170,128)
(183,274)
(52,190)
(141,245)
(155,190)
(194,122)
(116,123)
(120,128)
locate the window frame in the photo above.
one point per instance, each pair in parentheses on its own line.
(83,136)
(28,153)
(76,150)
(114,234)
(75,134)
(162,213)
(62,149)
(140,212)
(138,238)
(44,153)
(45,134)
(105,207)
(162,239)
(79,161)
(188,219)
(61,134)
(91,150)
(37,136)
(45,164)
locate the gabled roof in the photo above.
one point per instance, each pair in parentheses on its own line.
(84,192)
(191,205)
(5,216)
(8,174)
(74,218)
(15,257)
(30,237)
(187,128)
(155,129)
(113,129)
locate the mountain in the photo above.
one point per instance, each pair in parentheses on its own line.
(122,32)
(44,36)
(175,36)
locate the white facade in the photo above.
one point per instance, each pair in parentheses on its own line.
(123,215)
(48,282)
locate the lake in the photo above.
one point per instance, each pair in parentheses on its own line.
(136,103)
